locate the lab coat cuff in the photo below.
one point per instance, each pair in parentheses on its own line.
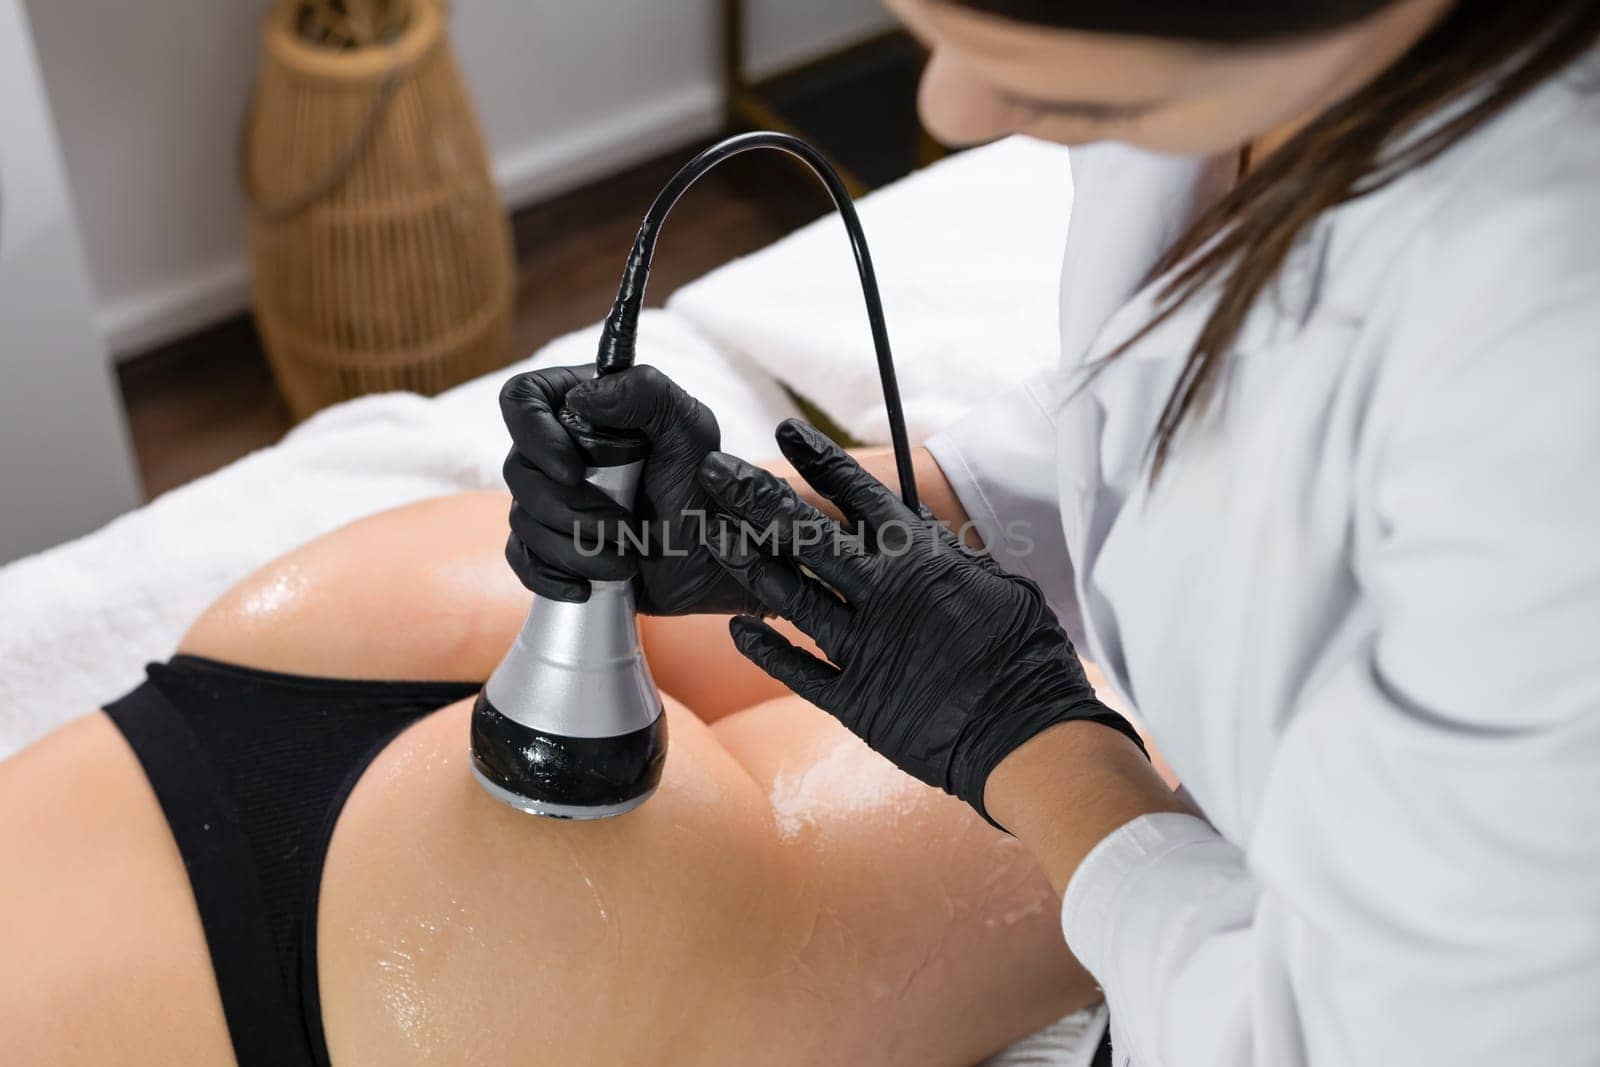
(1110,880)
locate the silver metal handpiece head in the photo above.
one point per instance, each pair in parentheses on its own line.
(570,724)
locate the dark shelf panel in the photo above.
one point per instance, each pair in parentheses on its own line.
(859,106)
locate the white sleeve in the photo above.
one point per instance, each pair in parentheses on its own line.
(1421,884)
(1001,461)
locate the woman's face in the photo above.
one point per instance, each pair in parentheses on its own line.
(990,76)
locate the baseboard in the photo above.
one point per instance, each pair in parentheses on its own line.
(140,322)
(144,320)
(558,164)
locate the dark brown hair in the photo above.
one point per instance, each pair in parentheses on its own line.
(1497,50)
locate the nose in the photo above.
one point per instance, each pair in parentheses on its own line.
(958,106)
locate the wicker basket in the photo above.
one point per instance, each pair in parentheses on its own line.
(381,256)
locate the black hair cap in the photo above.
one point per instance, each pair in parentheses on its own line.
(1230,21)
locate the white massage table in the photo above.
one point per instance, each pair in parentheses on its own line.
(967,253)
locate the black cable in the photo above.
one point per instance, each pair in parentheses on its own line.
(622,324)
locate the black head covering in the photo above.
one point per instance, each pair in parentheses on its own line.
(1235,21)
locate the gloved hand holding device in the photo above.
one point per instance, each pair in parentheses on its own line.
(559,522)
(941,661)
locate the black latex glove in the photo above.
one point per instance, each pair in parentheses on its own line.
(556,511)
(941,661)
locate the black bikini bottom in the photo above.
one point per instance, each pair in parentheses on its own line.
(251,769)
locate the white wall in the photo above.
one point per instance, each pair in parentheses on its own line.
(64,463)
(148,96)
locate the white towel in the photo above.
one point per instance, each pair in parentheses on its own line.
(968,256)
(1068,1042)
(78,622)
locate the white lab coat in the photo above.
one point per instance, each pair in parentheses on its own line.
(1360,612)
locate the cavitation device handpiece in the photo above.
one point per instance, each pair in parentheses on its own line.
(570,724)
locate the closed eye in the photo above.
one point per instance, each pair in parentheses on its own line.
(1092,110)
